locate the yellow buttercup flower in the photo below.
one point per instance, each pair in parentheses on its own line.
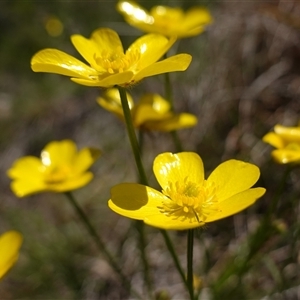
(166,20)
(61,168)
(188,200)
(10,244)
(286,140)
(108,64)
(152,112)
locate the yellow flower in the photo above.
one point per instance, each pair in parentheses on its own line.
(166,20)
(10,243)
(187,199)
(286,140)
(152,112)
(108,64)
(61,168)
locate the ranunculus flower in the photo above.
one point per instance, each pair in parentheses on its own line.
(169,21)
(109,65)
(188,200)
(10,244)
(152,112)
(286,140)
(61,168)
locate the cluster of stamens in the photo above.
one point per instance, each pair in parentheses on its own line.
(190,200)
(116,61)
(56,174)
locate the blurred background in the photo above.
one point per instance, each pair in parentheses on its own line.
(244,79)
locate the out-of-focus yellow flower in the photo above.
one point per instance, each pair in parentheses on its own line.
(109,65)
(61,168)
(152,112)
(10,244)
(187,199)
(54,26)
(286,140)
(166,20)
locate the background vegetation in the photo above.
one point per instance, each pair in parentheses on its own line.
(244,79)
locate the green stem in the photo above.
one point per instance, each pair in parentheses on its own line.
(132,137)
(100,243)
(143,179)
(174,256)
(169,97)
(190,276)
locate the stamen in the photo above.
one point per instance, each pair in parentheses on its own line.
(189,200)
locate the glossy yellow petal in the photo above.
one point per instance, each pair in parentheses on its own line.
(179,62)
(232,177)
(285,156)
(289,134)
(236,203)
(107,40)
(158,103)
(135,201)
(151,48)
(162,221)
(59,153)
(107,80)
(111,101)
(175,122)
(84,159)
(10,244)
(88,50)
(134,12)
(27,166)
(274,140)
(171,168)
(58,62)
(165,20)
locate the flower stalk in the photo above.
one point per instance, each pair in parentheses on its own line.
(190,245)
(100,244)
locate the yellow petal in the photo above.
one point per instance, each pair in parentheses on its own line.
(27,186)
(135,201)
(162,221)
(134,12)
(107,80)
(10,244)
(71,184)
(87,49)
(232,177)
(195,19)
(151,48)
(169,167)
(58,62)
(151,107)
(289,134)
(59,153)
(179,62)
(27,166)
(274,140)
(84,159)
(111,101)
(175,122)
(107,40)
(285,156)
(236,203)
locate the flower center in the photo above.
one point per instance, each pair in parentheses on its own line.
(190,200)
(116,61)
(57,174)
